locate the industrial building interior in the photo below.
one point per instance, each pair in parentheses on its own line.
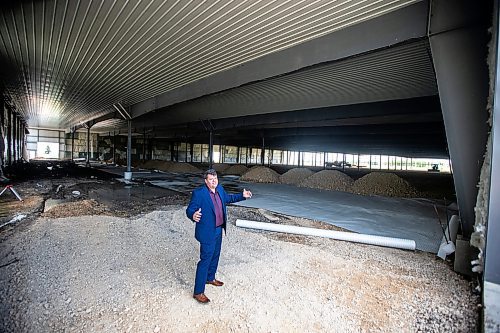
(412,78)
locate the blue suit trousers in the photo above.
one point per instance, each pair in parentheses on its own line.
(209,260)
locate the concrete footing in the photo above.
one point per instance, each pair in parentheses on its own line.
(464,254)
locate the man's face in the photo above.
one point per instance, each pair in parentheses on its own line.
(211,181)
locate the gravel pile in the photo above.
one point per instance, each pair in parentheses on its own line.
(237,169)
(385,184)
(374,183)
(295,176)
(261,174)
(328,180)
(110,274)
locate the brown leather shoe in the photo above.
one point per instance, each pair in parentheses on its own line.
(216,283)
(201,298)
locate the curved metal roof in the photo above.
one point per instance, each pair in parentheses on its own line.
(65,62)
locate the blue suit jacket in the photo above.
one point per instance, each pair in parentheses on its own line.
(201,199)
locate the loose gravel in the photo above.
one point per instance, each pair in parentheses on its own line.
(109,274)
(84,266)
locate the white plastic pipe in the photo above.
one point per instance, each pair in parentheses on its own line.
(406,244)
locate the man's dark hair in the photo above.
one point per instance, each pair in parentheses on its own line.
(209,172)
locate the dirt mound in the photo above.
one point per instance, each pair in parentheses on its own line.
(236,170)
(77,208)
(182,167)
(169,166)
(261,174)
(220,167)
(295,176)
(328,180)
(156,165)
(385,184)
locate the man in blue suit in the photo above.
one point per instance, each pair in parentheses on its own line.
(208,209)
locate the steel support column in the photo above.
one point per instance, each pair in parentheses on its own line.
(2,134)
(19,140)
(114,147)
(143,145)
(9,136)
(210,149)
(129,146)
(262,152)
(87,162)
(14,137)
(191,150)
(459,51)
(72,144)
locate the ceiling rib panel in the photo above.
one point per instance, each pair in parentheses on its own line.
(399,72)
(69,61)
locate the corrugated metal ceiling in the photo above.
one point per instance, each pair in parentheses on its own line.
(64,62)
(400,72)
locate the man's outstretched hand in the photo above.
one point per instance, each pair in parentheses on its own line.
(197,215)
(247,194)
